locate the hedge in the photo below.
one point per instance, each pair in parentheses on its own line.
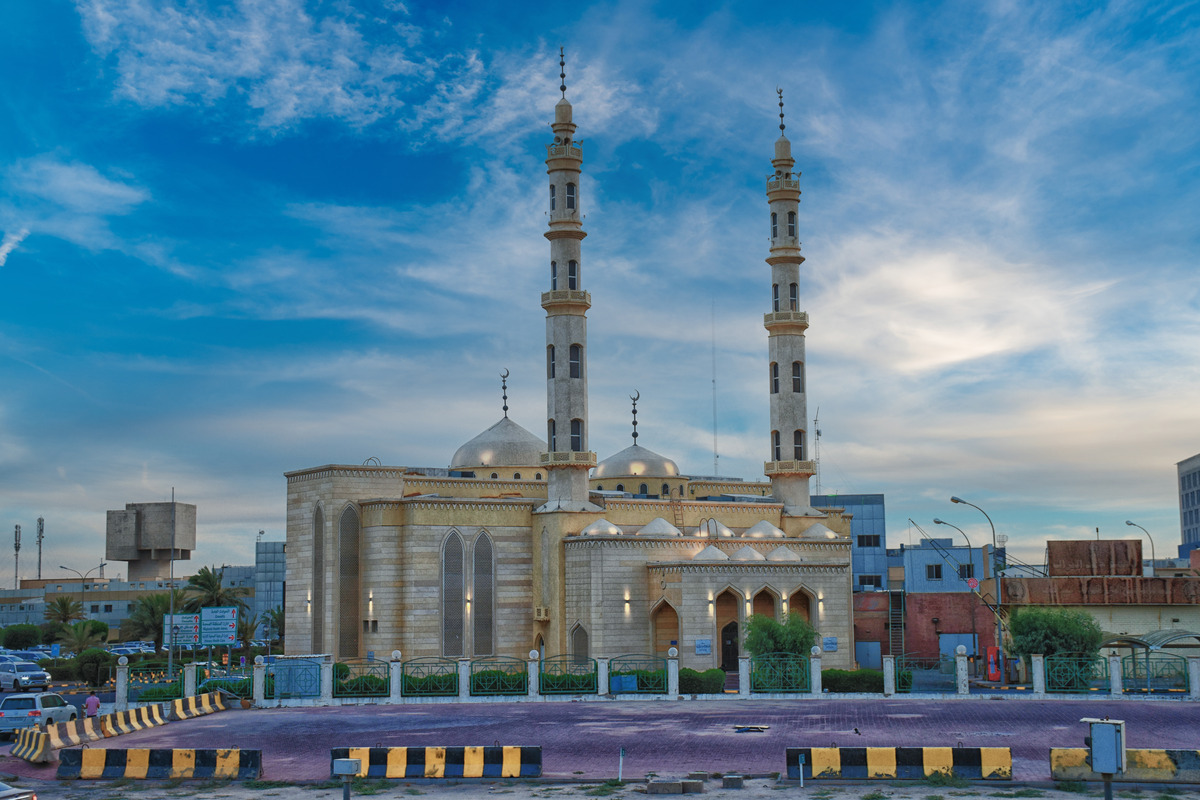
(711,681)
(844,680)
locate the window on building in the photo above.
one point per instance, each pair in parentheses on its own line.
(933,572)
(550,438)
(576,361)
(798,377)
(869,540)
(516,476)
(577,435)
(966,571)
(643,489)
(552,197)
(96,609)
(550,361)
(776,450)
(572,275)
(482,616)
(553,276)
(792,224)
(774,224)
(875,581)
(108,608)
(129,607)
(666,490)
(495,475)
(774,378)
(620,487)
(775,297)
(794,296)
(570,196)
(452,595)
(798,445)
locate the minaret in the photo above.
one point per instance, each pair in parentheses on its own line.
(568,460)
(789,467)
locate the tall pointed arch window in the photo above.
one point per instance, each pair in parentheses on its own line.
(579,644)
(792,224)
(553,276)
(482,606)
(774,296)
(774,225)
(576,361)
(798,376)
(550,437)
(570,196)
(550,361)
(776,450)
(798,445)
(318,581)
(552,197)
(452,595)
(348,583)
(774,377)
(794,297)
(577,435)
(572,275)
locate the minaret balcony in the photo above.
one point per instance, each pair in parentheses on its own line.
(566,157)
(796,320)
(783,189)
(569,458)
(566,297)
(803,469)
(559,150)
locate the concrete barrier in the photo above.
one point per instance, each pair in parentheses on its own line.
(135,719)
(444,762)
(32,745)
(163,764)
(197,706)
(901,763)
(1074,764)
(75,732)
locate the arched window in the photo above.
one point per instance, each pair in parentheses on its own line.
(643,489)
(774,378)
(552,197)
(798,376)
(482,598)
(798,445)
(794,297)
(550,437)
(774,225)
(553,276)
(570,196)
(494,476)
(666,490)
(348,584)
(620,487)
(576,361)
(318,581)
(792,224)
(600,488)
(774,296)
(516,476)
(452,596)
(537,476)
(776,450)
(550,361)
(579,643)
(577,435)
(572,275)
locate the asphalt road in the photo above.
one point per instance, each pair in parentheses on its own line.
(583,739)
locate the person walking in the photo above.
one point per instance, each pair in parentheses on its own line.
(91,706)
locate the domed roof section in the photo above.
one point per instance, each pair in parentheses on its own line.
(601,527)
(782,553)
(659,527)
(636,461)
(505,444)
(748,553)
(710,553)
(819,531)
(715,529)
(763,530)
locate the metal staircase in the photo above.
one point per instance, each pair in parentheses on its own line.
(896,623)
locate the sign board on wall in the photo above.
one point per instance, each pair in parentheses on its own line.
(704,647)
(829,644)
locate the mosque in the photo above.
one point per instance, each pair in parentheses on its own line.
(524,543)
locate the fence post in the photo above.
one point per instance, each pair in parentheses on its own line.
(961,684)
(122,699)
(814,666)
(395,678)
(327,681)
(464,679)
(535,673)
(1037,665)
(889,676)
(1115,683)
(260,682)
(1193,668)
(189,679)
(743,676)
(602,676)
(673,674)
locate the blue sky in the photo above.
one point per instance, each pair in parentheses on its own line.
(246,237)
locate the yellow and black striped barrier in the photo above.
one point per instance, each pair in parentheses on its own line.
(1074,764)
(444,762)
(75,732)
(160,764)
(198,706)
(135,719)
(899,763)
(32,745)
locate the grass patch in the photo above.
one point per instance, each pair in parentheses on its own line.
(934,797)
(1021,793)
(1075,787)
(410,790)
(875,795)
(945,779)
(260,784)
(606,789)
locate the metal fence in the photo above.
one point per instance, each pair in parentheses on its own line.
(1073,673)
(429,677)
(152,681)
(294,678)
(1154,672)
(499,675)
(780,672)
(361,677)
(567,675)
(924,674)
(637,674)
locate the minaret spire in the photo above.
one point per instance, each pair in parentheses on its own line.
(504,390)
(789,467)
(635,397)
(562,75)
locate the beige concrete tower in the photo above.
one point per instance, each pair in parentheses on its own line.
(568,458)
(789,467)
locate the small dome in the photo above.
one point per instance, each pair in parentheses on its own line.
(601,527)
(782,553)
(636,461)
(715,529)
(505,444)
(748,553)
(659,527)
(819,531)
(763,530)
(710,553)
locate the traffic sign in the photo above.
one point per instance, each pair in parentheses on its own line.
(973,583)
(181,629)
(218,626)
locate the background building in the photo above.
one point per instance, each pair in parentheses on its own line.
(1189,504)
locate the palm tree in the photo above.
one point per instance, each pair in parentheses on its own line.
(206,589)
(247,625)
(146,621)
(80,636)
(275,622)
(64,610)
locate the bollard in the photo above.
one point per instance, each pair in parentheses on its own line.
(533,668)
(889,676)
(673,673)
(1037,665)
(396,676)
(961,683)
(1115,683)
(327,681)
(743,676)
(260,681)
(189,679)
(122,698)
(602,676)
(464,679)
(814,666)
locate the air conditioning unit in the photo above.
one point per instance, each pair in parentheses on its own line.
(541,613)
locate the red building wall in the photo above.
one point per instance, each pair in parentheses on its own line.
(956,612)
(870,618)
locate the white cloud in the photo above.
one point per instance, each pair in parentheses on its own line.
(9,243)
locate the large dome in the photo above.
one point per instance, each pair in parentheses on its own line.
(636,461)
(505,444)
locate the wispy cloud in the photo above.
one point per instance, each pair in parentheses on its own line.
(9,243)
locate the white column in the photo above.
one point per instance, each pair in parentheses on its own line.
(533,667)
(327,681)
(673,674)
(1037,665)
(396,676)
(1115,685)
(464,679)
(814,665)
(889,676)
(189,679)
(961,683)
(1193,668)
(259,682)
(743,676)
(602,676)
(122,698)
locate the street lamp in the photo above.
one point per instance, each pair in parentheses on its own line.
(995,572)
(971,561)
(1143,530)
(83,583)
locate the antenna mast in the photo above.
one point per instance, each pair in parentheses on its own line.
(41,535)
(817,450)
(713,327)
(17,558)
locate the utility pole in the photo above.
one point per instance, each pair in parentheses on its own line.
(171,593)
(17,558)
(41,535)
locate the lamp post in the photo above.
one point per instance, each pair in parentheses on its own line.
(995,575)
(83,583)
(1143,530)
(971,561)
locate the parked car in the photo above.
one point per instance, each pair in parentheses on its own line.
(22,676)
(30,655)
(19,711)
(10,793)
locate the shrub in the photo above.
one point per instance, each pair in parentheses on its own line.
(765,635)
(22,637)
(430,685)
(60,669)
(94,665)
(171,691)
(844,680)
(362,685)
(1054,630)
(711,681)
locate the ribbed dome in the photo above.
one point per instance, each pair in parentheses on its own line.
(714,529)
(601,527)
(710,553)
(782,553)
(636,461)
(747,553)
(505,444)
(819,531)
(763,530)
(659,527)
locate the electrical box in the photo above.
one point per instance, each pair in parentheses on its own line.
(1106,743)
(346,767)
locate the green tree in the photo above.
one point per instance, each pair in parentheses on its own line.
(22,637)
(206,589)
(1050,630)
(94,665)
(274,619)
(81,636)
(765,635)
(146,620)
(64,610)
(247,625)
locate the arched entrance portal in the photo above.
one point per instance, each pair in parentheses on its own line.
(729,647)
(666,628)
(800,604)
(725,608)
(764,604)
